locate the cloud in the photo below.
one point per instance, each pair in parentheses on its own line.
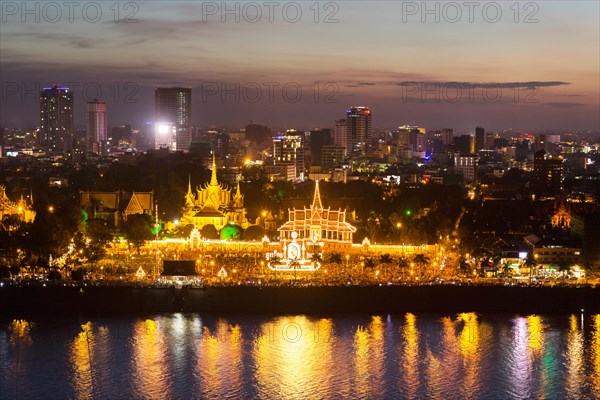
(490,85)
(565,105)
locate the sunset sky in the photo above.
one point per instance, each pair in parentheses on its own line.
(369,57)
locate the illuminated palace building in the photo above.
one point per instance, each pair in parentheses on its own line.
(213,204)
(318,224)
(22,209)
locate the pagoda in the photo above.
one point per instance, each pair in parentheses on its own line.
(213,204)
(318,224)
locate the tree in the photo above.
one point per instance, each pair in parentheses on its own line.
(564,267)
(385,260)
(209,232)
(531,263)
(403,264)
(335,258)
(421,260)
(138,229)
(254,233)
(98,236)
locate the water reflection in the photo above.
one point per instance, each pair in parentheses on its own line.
(368,358)
(81,355)
(151,376)
(293,355)
(219,362)
(469,346)
(410,359)
(14,345)
(403,356)
(595,355)
(574,357)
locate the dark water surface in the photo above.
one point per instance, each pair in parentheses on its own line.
(184,356)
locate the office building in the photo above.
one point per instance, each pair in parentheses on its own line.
(173,118)
(318,139)
(464,144)
(547,174)
(56,118)
(466,165)
(479,138)
(96,126)
(358,129)
(288,149)
(340,137)
(332,157)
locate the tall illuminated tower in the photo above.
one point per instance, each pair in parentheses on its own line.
(358,129)
(56,118)
(96,125)
(173,118)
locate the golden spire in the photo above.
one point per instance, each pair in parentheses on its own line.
(316,204)
(189,185)
(239,192)
(213,178)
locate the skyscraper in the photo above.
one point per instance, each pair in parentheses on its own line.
(358,129)
(466,165)
(56,118)
(173,118)
(547,174)
(96,125)
(340,137)
(288,149)
(318,139)
(479,139)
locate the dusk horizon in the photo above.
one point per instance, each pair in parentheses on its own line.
(408,68)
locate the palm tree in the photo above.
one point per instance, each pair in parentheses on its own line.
(385,260)
(564,267)
(403,264)
(421,260)
(531,263)
(295,264)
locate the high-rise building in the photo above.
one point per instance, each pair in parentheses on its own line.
(466,165)
(332,157)
(340,136)
(479,138)
(173,118)
(318,139)
(464,144)
(288,149)
(547,174)
(96,125)
(56,118)
(358,129)
(412,137)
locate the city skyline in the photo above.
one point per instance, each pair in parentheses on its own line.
(413,80)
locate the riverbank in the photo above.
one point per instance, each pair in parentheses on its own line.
(300,300)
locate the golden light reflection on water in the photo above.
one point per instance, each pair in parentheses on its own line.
(19,340)
(293,355)
(470,348)
(444,367)
(80,357)
(20,331)
(595,355)
(220,364)
(574,356)
(150,371)
(410,357)
(368,358)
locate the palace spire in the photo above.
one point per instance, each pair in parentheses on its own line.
(213,178)
(316,204)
